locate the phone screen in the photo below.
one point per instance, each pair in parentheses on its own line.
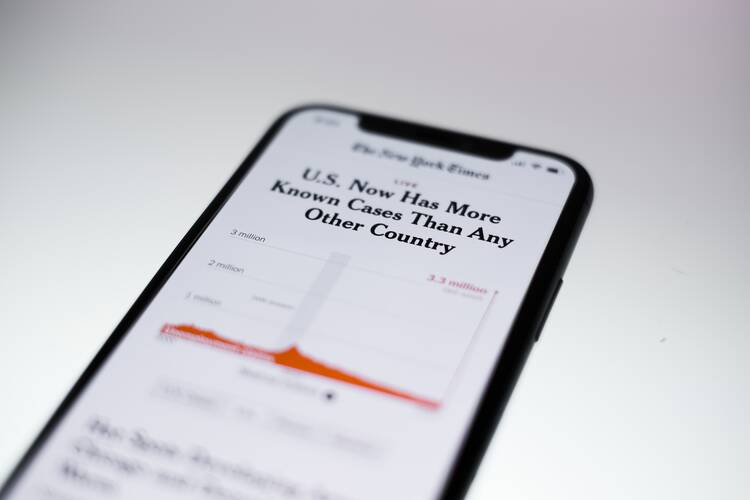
(329,334)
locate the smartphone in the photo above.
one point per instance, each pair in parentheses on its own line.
(346,320)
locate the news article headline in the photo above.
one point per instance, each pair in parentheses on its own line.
(420,211)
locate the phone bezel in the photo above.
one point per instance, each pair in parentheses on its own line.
(521,338)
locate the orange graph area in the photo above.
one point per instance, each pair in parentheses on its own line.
(290,358)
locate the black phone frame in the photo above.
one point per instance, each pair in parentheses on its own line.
(521,338)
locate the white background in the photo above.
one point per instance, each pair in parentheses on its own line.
(118,123)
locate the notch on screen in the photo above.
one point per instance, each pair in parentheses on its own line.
(454,141)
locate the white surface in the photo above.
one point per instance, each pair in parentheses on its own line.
(119,123)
